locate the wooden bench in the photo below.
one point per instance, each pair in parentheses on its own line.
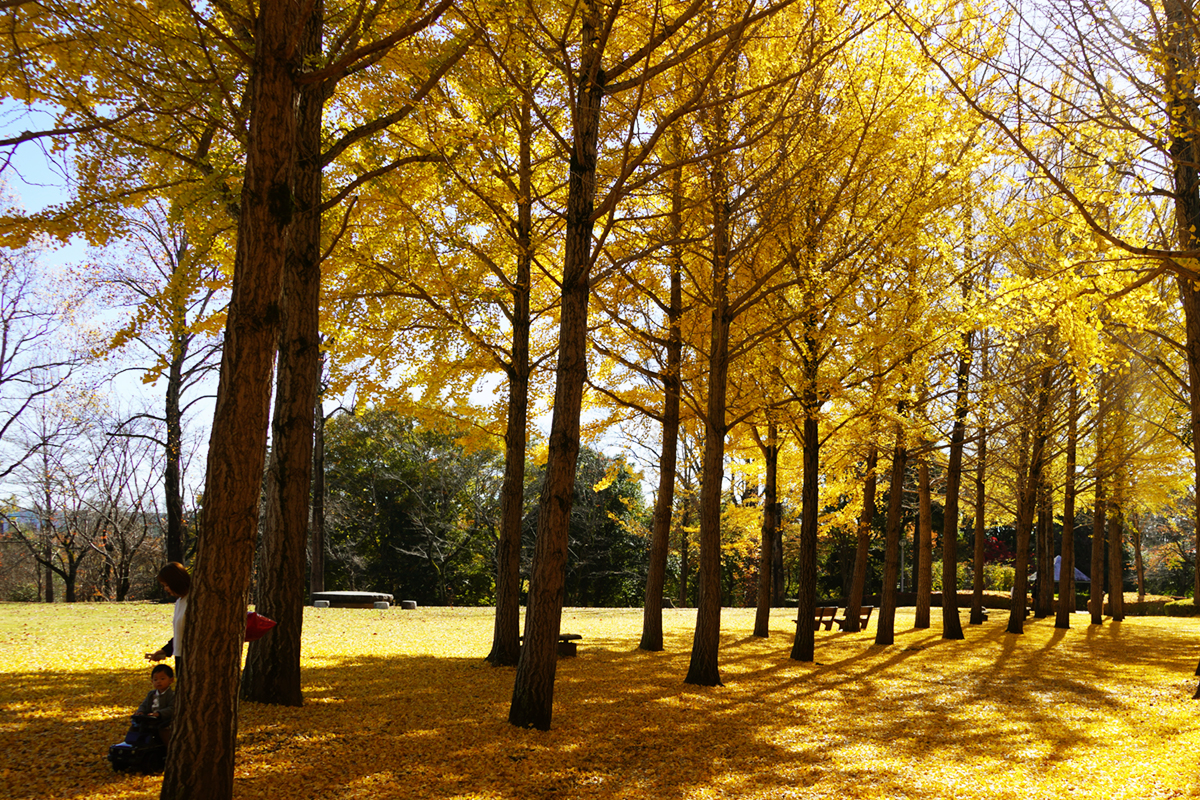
(567,647)
(823,616)
(864,616)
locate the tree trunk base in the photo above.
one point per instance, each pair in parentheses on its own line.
(703,678)
(498,660)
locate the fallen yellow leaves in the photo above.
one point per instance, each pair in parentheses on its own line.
(399,704)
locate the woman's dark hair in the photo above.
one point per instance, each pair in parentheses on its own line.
(176,577)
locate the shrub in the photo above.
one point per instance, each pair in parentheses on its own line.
(999,577)
(964,576)
(23,593)
(1182,608)
(1151,605)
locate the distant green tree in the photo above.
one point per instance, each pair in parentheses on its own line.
(409,511)
(608,548)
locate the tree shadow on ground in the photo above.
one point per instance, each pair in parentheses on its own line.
(998,713)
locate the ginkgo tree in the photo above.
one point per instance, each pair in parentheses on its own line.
(1113,84)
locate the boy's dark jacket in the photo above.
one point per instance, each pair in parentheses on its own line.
(166,706)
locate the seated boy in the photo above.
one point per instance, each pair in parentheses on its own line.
(160,702)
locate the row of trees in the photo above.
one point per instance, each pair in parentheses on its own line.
(800,235)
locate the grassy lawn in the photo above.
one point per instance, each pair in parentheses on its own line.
(399,704)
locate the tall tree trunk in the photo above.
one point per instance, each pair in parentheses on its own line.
(533,690)
(1191,311)
(172,472)
(862,552)
(951,624)
(1184,114)
(200,761)
(1116,554)
(1027,502)
(770,521)
(1044,602)
(1096,587)
(506,633)
(980,528)
(316,547)
(684,570)
(1066,566)
(47,528)
(1139,566)
(664,503)
(703,668)
(272,672)
(885,633)
(804,645)
(777,577)
(47,553)
(923,552)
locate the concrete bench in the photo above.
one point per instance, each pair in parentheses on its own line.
(352,599)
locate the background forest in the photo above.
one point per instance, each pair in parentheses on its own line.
(598,303)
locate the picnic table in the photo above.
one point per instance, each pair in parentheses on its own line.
(567,644)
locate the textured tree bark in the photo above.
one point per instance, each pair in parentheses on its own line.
(1116,559)
(777,576)
(885,632)
(923,557)
(1139,564)
(47,553)
(951,624)
(804,646)
(272,672)
(1100,512)
(316,547)
(200,761)
(506,633)
(172,473)
(980,555)
(1191,310)
(684,569)
(1044,602)
(1066,566)
(1027,501)
(1184,113)
(533,691)
(703,668)
(664,503)
(770,451)
(863,552)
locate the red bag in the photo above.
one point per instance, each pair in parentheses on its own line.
(257,625)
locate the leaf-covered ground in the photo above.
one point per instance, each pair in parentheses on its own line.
(401,705)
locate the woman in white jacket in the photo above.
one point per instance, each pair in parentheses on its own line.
(177,583)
